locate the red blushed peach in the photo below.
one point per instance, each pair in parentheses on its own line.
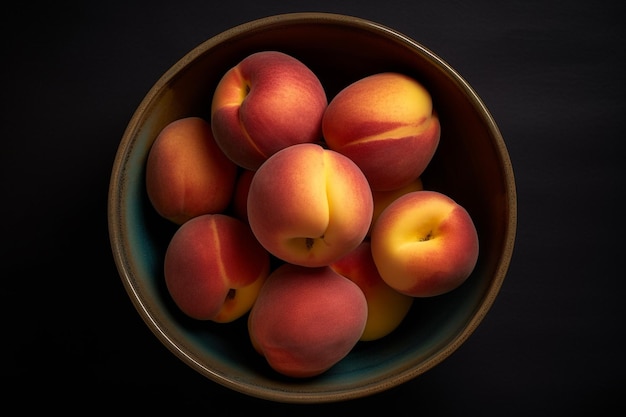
(383,198)
(386,307)
(386,124)
(187,174)
(214,268)
(305,320)
(309,206)
(424,244)
(268,101)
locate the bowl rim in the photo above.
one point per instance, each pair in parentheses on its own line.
(116,214)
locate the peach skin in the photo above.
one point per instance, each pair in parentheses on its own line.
(268,101)
(386,124)
(305,320)
(424,244)
(386,307)
(309,206)
(214,268)
(187,174)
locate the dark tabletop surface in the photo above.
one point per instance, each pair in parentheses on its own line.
(550,72)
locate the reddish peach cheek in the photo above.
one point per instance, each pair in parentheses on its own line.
(359,267)
(306,319)
(203,263)
(188,275)
(463,249)
(234,244)
(235,138)
(310,355)
(360,131)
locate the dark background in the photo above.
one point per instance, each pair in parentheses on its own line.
(552,73)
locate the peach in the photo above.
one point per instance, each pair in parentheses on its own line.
(309,206)
(214,268)
(383,198)
(386,124)
(268,101)
(305,320)
(424,244)
(386,307)
(186,172)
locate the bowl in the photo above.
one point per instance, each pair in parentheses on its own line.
(471,165)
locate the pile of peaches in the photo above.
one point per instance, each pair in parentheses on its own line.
(306,215)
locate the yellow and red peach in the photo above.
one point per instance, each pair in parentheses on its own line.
(268,101)
(424,244)
(386,307)
(386,124)
(305,320)
(186,172)
(309,206)
(214,268)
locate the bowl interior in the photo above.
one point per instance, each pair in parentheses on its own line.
(471,165)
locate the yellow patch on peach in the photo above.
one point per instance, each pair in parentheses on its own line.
(232,90)
(413,229)
(240,301)
(386,124)
(424,244)
(308,205)
(386,307)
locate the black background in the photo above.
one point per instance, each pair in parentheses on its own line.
(552,73)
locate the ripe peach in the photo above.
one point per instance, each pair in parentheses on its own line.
(383,198)
(386,124)
(305,320)
(268,101)
(186,172)
(309,206)
(424,244)
(386,307)
(214,268)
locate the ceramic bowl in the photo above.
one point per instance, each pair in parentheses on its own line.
(471,165)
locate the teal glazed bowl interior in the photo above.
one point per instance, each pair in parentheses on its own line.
(471,165)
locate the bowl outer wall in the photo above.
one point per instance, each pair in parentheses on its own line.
(471,165)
